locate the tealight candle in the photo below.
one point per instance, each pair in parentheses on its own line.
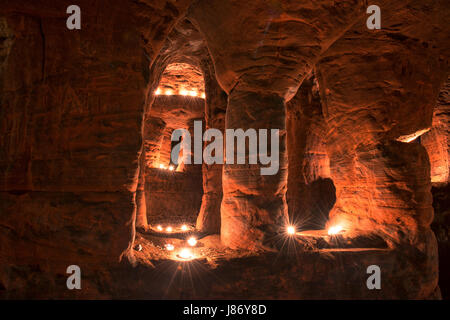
(159,228)
(169,247)
(334,230)
(185,254)
(192,241)
(184,227)
(169,229)
(290,230)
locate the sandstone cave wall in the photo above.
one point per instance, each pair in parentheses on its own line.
(173,197)
(71,118)
(209,218)
(437,140)
(310,191)
(378,95)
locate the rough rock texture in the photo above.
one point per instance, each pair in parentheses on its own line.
(441,228)
(77,135)
(170,194)
(376,91)
(310,191)
(173,197)
(182,78)
(437,140)
(208,220)
(71,116)
(260,69)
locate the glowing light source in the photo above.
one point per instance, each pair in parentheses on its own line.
(161,166)
(193,93)
(413,136)
(184,227)
(169,229)
(184,92)
(185,254)
(169,92)
(171,168)
(169,247)
(290,230)
(158,91)
(334,230)
(203,95)
(192,241)
(159,228)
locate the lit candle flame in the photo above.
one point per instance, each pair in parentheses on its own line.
(171,168)
(158,92)
(184,227)
(169,92)
(185,254)
(169,229)
(159,228)
(290,230)
(169,247)
(192,241)
(334,230)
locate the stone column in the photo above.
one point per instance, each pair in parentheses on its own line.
(437,140)
(208,220)
(376,107)
(154,129)
(254,205)
(261,54)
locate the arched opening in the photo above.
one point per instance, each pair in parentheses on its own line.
(173,192)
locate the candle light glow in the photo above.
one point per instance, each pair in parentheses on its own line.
(185,254)
(192,241)
(290,230)
(334,230)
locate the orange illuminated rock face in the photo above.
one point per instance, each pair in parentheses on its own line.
(209,217)
(84,130)
(310,191)
(70,137)
(170,194)
(383,185)
(173,197)
(437,141)
(182,79)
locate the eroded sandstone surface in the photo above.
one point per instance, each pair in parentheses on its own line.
(87,116)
